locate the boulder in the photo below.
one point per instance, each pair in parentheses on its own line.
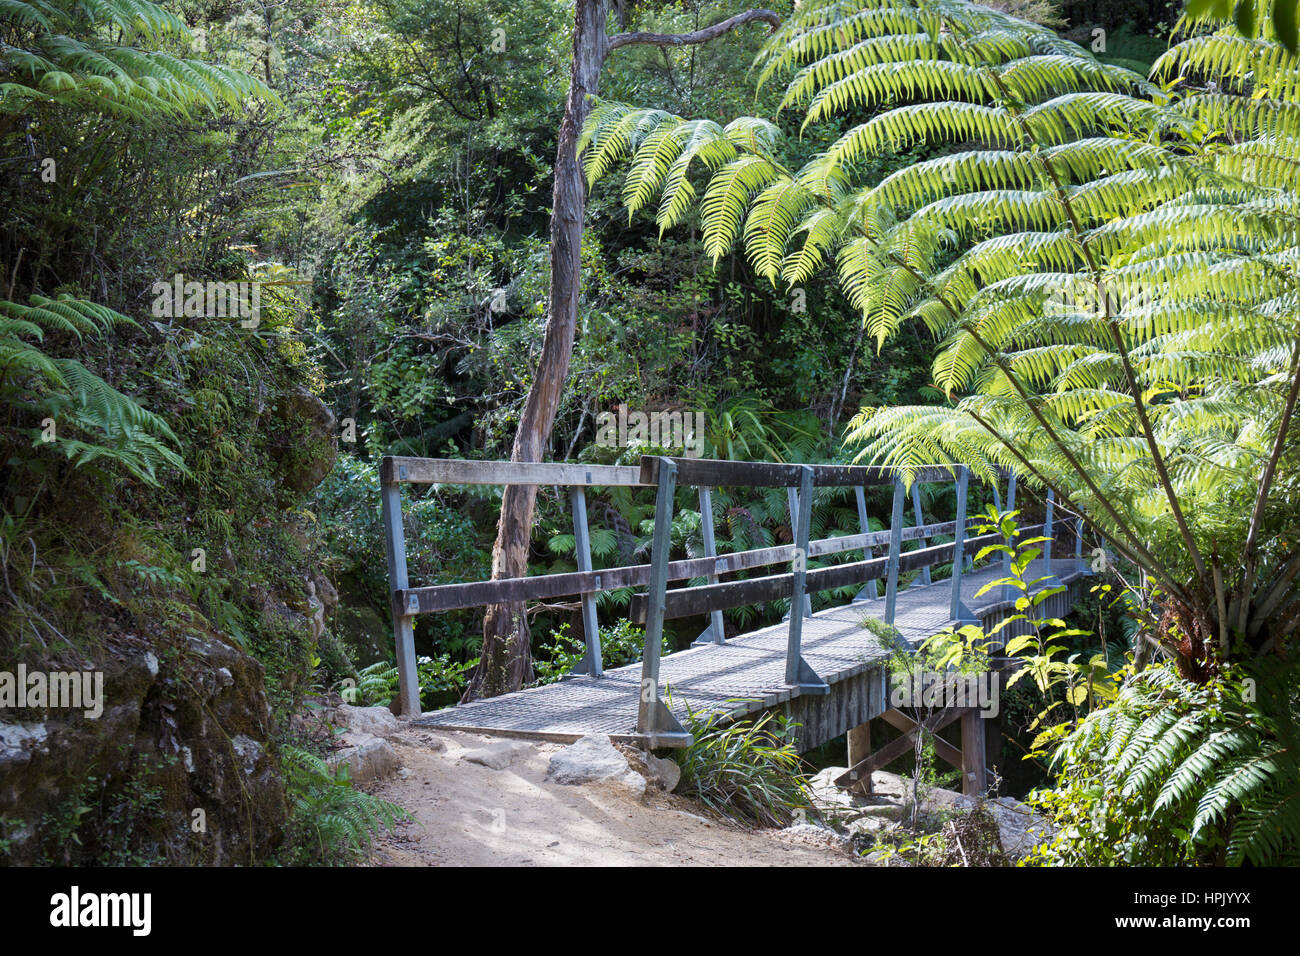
(497,756)
(367,721)
(193,725)
(664,772)
(303,439)
(594,759)
(367,758)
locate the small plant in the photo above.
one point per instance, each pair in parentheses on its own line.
(1044,651)
(960,651)
(746,771)
(333,821)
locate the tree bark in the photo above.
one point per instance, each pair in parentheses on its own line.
(505,660)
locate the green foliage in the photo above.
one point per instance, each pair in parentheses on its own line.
(1179,773)
(332,822)
(1107,270)
(441,682)
(58,51)
(1044,650)
(65,404)
(746,770)
(620,643)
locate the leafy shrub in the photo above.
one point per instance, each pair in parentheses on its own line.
(747,771)
(620,644)
(441,681)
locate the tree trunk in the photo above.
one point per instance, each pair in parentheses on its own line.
(505,662)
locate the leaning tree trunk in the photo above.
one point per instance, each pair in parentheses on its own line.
(505,662)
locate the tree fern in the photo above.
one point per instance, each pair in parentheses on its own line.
(1212,769)
(1110,269)
(60,51)
(67,406)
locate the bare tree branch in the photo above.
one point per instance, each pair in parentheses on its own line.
(698,36)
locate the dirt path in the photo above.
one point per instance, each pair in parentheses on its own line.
(472,815)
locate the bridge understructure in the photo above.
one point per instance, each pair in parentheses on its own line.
(827,671)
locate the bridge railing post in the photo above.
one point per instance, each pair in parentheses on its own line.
(1078,546)
(920,521)
(868,591)
(797,671)
(408,679)
(653,716)
(795,506)
(714,633)
(895,548)
(1008,592)
(591,665)
(957,609)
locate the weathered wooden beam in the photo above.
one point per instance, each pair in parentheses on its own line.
(895,748)
(898,719)
(452,597)
(764,474)
(457,471)
(974,777)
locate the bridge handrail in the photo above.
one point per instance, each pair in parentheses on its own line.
(664,473)
(451,597)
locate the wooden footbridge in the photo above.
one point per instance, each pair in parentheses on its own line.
(824,670)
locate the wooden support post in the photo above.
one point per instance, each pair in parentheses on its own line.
(868,591)
(408,679)
(895,546)
(654,719)
(793,501)
(714,633)
(859,740)
(974,778)
(920,520)
(1079,566)
(957,610)
(591,663)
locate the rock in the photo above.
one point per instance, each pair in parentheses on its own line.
(594,759)
(1019,828)
(368,721)
(809,834)
(364,633)
(193,724)
(316,613)
(664,772)
(367,758)
(497,756)
(325,590)
(303,440)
